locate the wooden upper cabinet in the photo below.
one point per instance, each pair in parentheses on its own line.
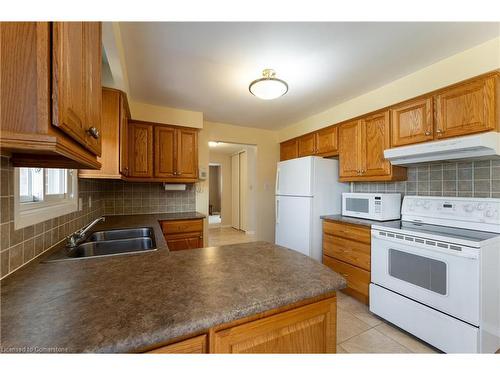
(140,149)
(124,118)
(289,149)
(187,153)
(362,145)
(93,88)
(375,139)
(412,122)
(50,83)
(307,145)
(76,81)
(350,139)
(110,137)
(467,108)
(327,141)
(165,151)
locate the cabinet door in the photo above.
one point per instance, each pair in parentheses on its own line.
(124,117)
(350,139)
(376,139)
(307,145)
(195,345)
(184,241)
(358,280)
(140,147)
(412,122)
(327,141)
(187,153)
(466,109)
(93,86)
(165,151)
(69,79)
(307,329)
(289,150)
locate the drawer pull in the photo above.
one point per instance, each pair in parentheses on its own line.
(94,132)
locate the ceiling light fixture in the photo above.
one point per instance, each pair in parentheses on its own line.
(268,87)
(213,144)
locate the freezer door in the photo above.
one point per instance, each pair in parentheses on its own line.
(294,177)
(293,223)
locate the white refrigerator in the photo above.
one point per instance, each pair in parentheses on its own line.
(306,188)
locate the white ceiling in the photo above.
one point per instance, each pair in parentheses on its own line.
(207,66)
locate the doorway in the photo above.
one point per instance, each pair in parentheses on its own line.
(215,194)
(232,176)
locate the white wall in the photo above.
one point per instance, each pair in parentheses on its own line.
(475,61)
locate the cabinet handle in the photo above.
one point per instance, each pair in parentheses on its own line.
(358,171)
(428,133)
(439,131)
(363,171)
(201,237)
(94,132)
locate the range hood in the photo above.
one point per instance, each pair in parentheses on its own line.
(476,147)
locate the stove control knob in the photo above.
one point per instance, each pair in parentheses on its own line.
(489,213)
(427,205)
(480,206)
(419,203)
(468,207)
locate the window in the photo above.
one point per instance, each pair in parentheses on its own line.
(43,193)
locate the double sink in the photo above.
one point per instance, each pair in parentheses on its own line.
(110,242)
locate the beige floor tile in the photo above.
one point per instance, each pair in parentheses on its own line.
(358,309)
(227,236)
(348,325)
(372,341)
(340,350)
(405,339)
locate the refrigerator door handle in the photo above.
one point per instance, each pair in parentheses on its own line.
(277,211)
(277,181)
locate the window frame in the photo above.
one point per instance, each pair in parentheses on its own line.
(53,205)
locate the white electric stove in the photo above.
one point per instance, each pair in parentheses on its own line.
(436,273)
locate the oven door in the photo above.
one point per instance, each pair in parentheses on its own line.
(446,280)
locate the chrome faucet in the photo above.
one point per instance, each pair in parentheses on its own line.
(76,237)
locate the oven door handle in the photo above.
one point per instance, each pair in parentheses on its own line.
(416,246)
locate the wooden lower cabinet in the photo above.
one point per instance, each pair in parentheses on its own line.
(195,345)
(307,329)
(347,251)
(183,234)
(310,328)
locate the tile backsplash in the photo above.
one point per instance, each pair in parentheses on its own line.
(453,179)
(109,197)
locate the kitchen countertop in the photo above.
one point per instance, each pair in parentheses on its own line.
(357,221)
(131,302)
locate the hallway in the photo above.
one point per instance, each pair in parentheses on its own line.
(227,236)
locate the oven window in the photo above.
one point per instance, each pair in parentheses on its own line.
(357,204)
(417,270)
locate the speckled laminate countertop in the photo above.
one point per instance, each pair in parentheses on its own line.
(357,221)
(127,303)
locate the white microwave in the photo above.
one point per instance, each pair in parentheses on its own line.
(372,206)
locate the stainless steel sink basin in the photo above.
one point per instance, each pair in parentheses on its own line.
(118,234)
(112,247)
(109,242)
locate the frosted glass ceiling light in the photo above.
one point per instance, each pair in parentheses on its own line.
(268,87)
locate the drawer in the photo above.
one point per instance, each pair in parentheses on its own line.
(182,226)
(352,252)
(352,232)
(358,280)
